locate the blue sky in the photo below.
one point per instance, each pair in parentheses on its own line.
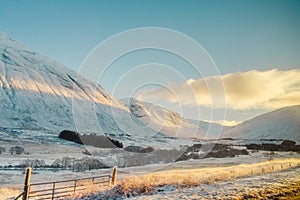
(239,35)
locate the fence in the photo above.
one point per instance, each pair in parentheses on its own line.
(65,188)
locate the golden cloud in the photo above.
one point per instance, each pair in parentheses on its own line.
(243,90)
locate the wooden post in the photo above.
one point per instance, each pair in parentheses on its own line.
(74,186)
(114,176)
(27,184)
(53,190)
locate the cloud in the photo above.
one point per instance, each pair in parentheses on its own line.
(224,122)
(243,90)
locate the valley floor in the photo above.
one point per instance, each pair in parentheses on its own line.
(279,183)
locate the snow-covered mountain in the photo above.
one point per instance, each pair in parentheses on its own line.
(40,97)
(280,124)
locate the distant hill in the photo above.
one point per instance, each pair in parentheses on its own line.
(214,130)
(280,124)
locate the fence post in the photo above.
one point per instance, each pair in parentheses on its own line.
(114,176)
(74,186)
(27,184)
(53,190)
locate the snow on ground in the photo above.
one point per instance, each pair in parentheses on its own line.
(11,182)
(52,152)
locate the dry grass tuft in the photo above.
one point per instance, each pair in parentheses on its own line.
(285,191)
(9,193)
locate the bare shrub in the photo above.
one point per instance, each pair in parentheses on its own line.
(16,150)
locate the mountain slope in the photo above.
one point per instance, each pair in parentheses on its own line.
(283,123)
(38,92)
(42,97)
(163,120)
